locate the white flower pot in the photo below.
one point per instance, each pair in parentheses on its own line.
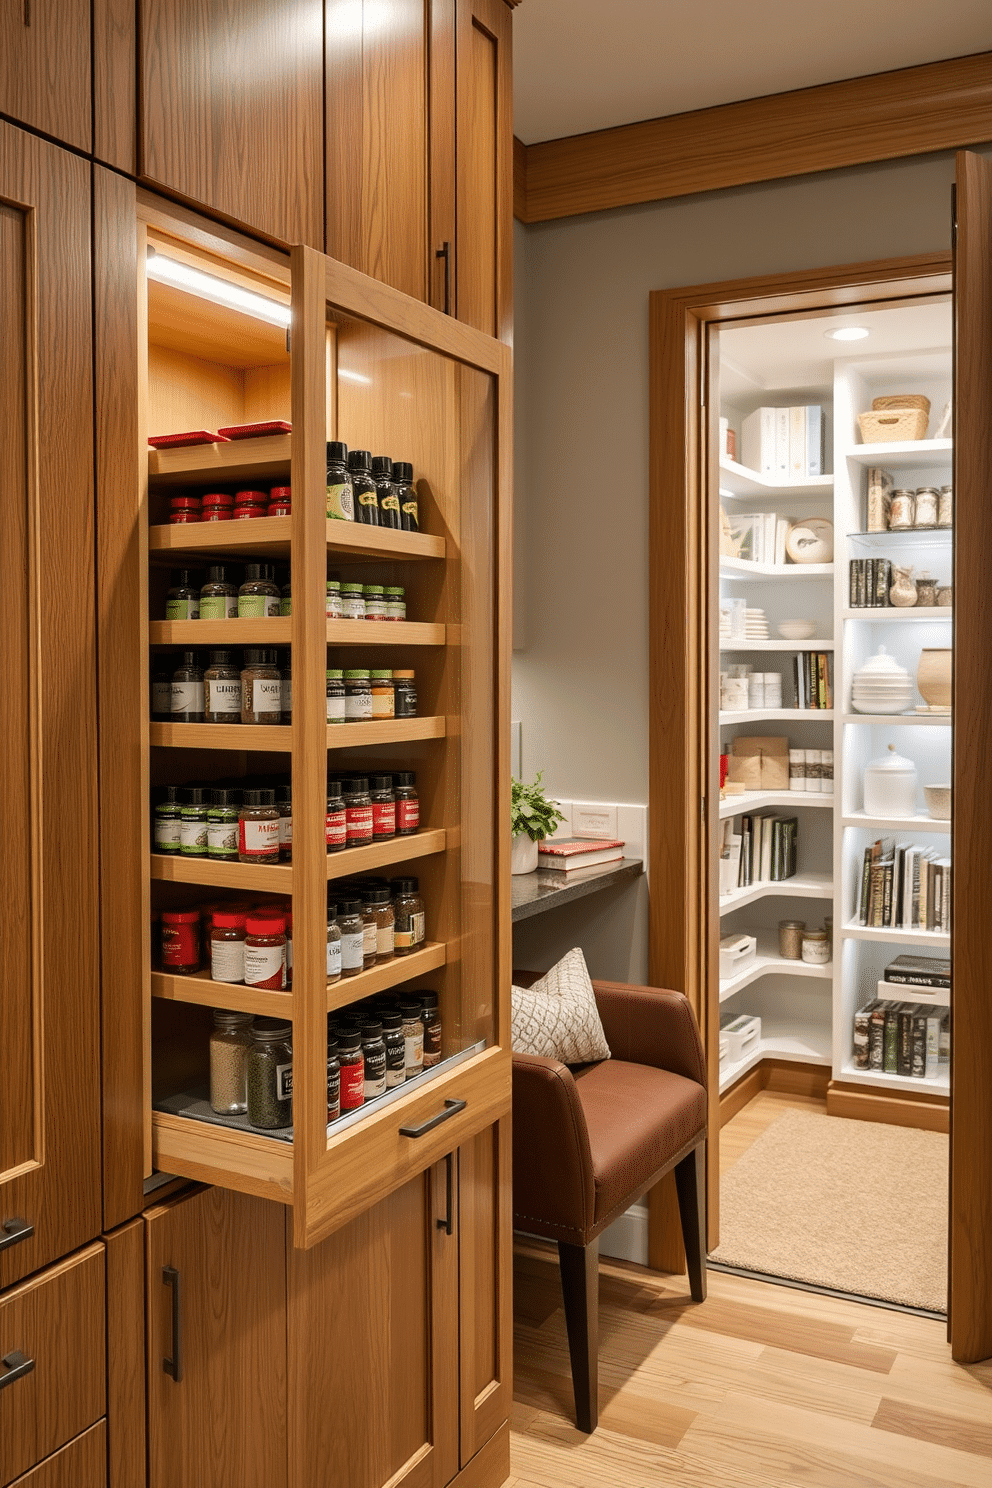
(523,854)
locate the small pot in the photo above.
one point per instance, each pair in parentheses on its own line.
(890,786)
(523,854)
(933,676)
(938,801)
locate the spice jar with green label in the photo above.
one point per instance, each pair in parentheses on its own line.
(183,600)
(352,602)
(357,695)
(270,1074)
(258,597)
(193,823)
(167,818)
(395,602)
(333,609)
(389,502)
(340,495)
(219,595)
(335,695)
(222,824)
(407,496)
(261,687)
(221,689)
(187,690)
(375,601)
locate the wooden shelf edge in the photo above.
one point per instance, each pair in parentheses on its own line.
(274,631)
(430,957)
(388,731)
(266,878)
(220,462)
(273,738)
(198,537)
(381,854)
(234,996)
(223,1156)
(353,538)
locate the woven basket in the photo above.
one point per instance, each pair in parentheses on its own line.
(902,400)
(893,427)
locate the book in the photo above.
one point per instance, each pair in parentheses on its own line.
(815,440)
(782,443)
(876,1037)
(890,1055)
(904,1038)
(919,971)
(569,853)
(883,573)
(798,458)
(918,1042)
(781,534)
(758,441)
(862,1028)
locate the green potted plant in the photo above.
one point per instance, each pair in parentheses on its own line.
(532,818)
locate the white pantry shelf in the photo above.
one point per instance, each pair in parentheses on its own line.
(758,800)
(743,568)
(777,715)
(887,933)
(850,1076)
(902,720)
(800,886)
(810,644)
(768,962)
(893,612)
(738,480)
(801,1044)
(919,823)
(908,454)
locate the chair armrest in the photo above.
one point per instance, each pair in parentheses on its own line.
(646,1025)
(552,1164)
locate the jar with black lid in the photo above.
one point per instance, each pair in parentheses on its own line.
(333,1079)
(374,1055)
(261,687)
(413,1035)
(410,921)
(430,1016)
(389,502)
(383,808)
(219,595)
(392,1037)
(167,817)
(183,600)
(349,918)
(258,827)
(340,495)
(193,822)
(284,800)
(357,696)
(161,679)
(187,690)
(222,824)
(358,811)
(409,506)
(221,689)
(258,597)
(270,1074)
(336,819)
(335,695)
(370,926)
(352,1066)
(333,964)
(364,487)
(407,803)
(405,694)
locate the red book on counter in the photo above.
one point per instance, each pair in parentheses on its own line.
(566,854)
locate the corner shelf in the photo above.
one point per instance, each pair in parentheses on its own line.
(779,1040)
(941,1085)
(758,800)
(887,934)
(768,962)
(778,715)
(902,720)
(810,644)
(739,480)
(800,886)
(919,823)
(908,454)
(743,568)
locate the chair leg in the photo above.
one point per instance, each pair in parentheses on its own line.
(580,1292)
(690,1183)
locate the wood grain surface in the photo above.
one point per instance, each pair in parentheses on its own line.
(81,1464)
(115,118)
(45,67)
(125,1355)
(484,193)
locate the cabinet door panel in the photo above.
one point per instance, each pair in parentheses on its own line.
(484,199)
(485,1319)
(224,1421)
(231,112)
(49,1012)
(45,67)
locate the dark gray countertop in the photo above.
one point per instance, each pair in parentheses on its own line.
(533,893)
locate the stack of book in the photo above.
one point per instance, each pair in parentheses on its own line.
(905,886)
(758,537)
(931,973)
(570,854)
(814,679)
(765,851)
(869,580)
(902,1038)
(786,443)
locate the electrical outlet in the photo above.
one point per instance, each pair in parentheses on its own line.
(592,819)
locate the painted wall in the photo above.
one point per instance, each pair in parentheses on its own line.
(580,667)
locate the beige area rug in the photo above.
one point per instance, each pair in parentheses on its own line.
(851,1205)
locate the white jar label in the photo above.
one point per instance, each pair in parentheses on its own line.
(223,695)
(192,834)
(262,964)
(187,697)
(161,697)
(285,831)
(333,960)
(222,838)
(352,950)
(167,832)
(369,940)
(266,695)
(260,836)
(358,706)
(385,940)
(415,1051)
(227,960)
(335,710)
(352,607)
(284,1082)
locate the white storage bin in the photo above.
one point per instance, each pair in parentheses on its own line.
(743,1035)
(736,951)
(724,1050)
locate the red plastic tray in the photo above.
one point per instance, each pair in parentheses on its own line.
(180,441)
(255,431)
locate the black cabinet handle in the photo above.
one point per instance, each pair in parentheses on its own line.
(12,1231)
(174,1365)
(445,252)
(451,1108)
(446,1223)
(18,1365)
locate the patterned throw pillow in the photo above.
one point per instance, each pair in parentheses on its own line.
(558,1018)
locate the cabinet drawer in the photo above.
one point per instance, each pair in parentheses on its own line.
(55,1320)
(82,1464)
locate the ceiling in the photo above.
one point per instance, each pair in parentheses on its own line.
(580,65)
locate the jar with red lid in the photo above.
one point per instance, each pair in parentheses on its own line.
(265,950)
(185,509)
(352,1068)
(227,946)
(281,501)
(218,506)
(181,941)
(250,504)
(258,826)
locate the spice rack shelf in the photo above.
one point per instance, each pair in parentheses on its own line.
(277,738)
(220,1154)
(907,454)
(759,800)
(381,854)
(264,459)
(810,644)
(778,715)
(385,633)
(277,631)
(385,731)
(269,537)
(266,878)
(430,957)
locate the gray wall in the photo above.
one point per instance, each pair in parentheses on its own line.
(580,673)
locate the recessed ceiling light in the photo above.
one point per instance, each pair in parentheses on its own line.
(221,291)
(847,333)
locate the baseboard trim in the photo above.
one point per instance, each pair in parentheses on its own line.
(925,1112)
(784,1075)
(490,1467)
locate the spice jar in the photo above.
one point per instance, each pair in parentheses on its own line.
(374,1055)
(333,945)
(790,939)
(161,680)
(389,502)
(409,907)
(184,509)
(165,822)
(406,495)
(375,601)
(395,1044)
(926,589)
(222,824)
(945,507)
(406,694)
(286,689)
(370,932)
(219,595)
(286,598)
(358,811)
(182,602)
(901,511)
(270,1074)
(287,967)
(261,687)
(925,510)
(357,696)
(407,803)
(332,607)
(258,597)
(258,827)
(193,823)
(250,504)
(335,695)
(333,1079)
(187,690)
(340,496)
(363,486)
(430,1016)
(383,694)
(265,949)
(336,819)
(221,689)
(284,801)
(218,506)
(181,941)
(816,947)
(413,1035)
(383,808)
(352,1068)
(352,602)
(227,946)
(395,602)
(381,902)
(281,501)
(230,1040)
(349,918)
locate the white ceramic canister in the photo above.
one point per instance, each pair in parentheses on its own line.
(890,786)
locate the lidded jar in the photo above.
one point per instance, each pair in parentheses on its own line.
(881,686)
(270,1074)
(890,786)
(230,1040)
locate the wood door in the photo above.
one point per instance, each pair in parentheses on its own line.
(970,1304)
(232,109)
(374,1330)
(485,1307)
(45,67)
(483,275)
(215,1279)
(49,1010)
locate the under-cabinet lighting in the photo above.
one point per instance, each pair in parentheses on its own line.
(847,333)
(220,291)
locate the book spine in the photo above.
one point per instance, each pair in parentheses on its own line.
(918,1044)
(887,873)
(891,1054)
(904,1042)
(935,979)
(782,443)
(865,888)
(814,440)
(933,1046)
(862,582)
(876,1038)
(871,567)
(883,570)
(797,443)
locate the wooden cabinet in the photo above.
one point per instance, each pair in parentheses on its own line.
(81,1464)
(485,1319)
(49,1010)
(484,196)
(45,67)
(231,110)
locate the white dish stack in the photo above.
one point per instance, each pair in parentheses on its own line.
(881,686)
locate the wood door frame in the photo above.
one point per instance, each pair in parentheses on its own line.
(683,544)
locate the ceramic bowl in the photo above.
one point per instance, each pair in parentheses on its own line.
(938,801)
(796,630)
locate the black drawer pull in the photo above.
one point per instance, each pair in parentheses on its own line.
(12,1231)
(18,1365)
(451,1108)
(174,1365)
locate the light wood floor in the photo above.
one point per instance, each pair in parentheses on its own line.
(761,1386)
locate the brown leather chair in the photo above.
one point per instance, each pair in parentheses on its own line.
(588,1141)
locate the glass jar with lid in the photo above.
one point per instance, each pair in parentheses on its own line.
(389,502)
(352,1067)
(430,1016)
(218,506)
(375,601)
(381,901)
(281,501)
(261,687)
(410,920)
(374,1055)
(925,508)
(926,590)
(182,602)
(333,945)
(406,495)
(395,602)
(221,689)
(265,950)
(223,815)
(383,694)
(357,695)
(187,690)
(250,504)
(270,1074)
(351,925)
(902,510)
(366,496)
(358,811)
(405,688)
(258,597)
(383,801)
(413,1035)
(333,1079)
(333,609)
(181,941)
(230,1040)
(352,602)
(392,1037)
(183,509)
(335,695)
(258,826)
(193,822)
(167,817)
(407,803)
(336,818)
(945,507)
(371,930)
(340,495)
(219,595)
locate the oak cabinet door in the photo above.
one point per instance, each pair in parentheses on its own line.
(216,1333)
(484,179)
(49,963)
(485,1316)
(232,109)
(45,67)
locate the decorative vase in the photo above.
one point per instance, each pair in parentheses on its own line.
(523,854)
(933,677)
(902,590)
